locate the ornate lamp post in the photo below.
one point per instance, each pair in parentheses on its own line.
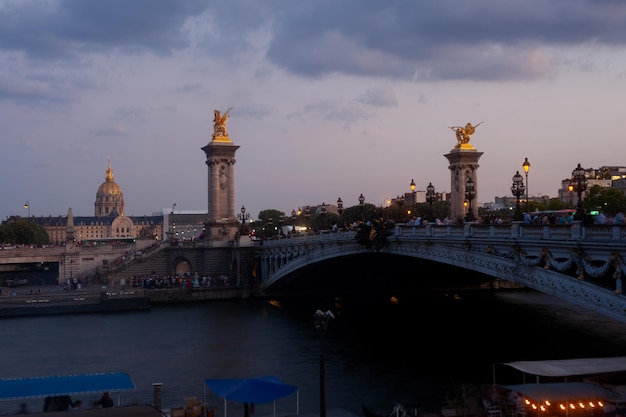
(243,216)
(307,214)
(361,204)
(340,209)
(321,324)
(526,166)
(570,188)
(323,215)
(579,181)
(293,221)
(27,206)
(430,198)
(412,185)
(470,193)
(517,189)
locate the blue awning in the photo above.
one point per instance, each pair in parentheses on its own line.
(258,390)
(48,386)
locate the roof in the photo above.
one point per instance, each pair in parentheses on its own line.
(570,367)
(563,391)
(39,387)
(263,389)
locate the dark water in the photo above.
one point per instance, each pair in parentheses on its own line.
(375,354)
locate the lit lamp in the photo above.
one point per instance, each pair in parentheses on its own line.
(321,324)
(580,185)
(412,185)
(570,188)
(517,189)
(27,206)
(470,193)
(526,166)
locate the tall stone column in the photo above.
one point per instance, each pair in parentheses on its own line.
(221,223)
(463,159)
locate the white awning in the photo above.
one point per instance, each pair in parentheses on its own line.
(569,367)
(564,391)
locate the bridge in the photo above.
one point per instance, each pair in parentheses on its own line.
(582,264)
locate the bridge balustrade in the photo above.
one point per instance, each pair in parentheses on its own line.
(576,231)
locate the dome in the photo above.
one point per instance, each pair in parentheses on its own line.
(109,198)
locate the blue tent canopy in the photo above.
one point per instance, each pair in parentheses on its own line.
(38,387)
(263,389)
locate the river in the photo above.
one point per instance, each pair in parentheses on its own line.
(374,354)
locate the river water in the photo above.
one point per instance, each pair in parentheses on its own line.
(374,354)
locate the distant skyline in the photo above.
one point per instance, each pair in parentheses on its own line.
(329,99)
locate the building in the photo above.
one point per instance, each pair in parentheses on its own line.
(108,222)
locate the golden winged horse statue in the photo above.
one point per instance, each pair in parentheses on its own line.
(219,123)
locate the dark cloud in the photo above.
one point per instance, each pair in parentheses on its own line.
(61,28)
(439,40)
(407,39)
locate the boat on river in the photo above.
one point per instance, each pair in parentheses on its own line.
(36,302)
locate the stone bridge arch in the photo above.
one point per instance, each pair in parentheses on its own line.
(557,268)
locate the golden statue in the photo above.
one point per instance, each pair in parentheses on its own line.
(219,123)
(463,133)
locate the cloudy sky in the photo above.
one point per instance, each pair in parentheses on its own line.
(330,98)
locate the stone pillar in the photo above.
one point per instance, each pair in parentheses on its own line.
(221,223)
(463,161)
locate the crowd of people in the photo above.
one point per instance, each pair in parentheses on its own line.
(186,280)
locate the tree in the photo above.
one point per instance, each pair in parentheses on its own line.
(608,200)
(23,231)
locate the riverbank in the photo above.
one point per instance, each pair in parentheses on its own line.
(53,299)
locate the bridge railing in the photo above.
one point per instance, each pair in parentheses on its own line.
(557,232)
(576,231)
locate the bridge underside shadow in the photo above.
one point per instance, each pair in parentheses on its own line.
(368,276)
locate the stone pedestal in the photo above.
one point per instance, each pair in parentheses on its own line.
(221,223)
(463,165)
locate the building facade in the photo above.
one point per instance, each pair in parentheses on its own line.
(108,222)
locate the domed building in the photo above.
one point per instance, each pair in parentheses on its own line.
(108,223)
(109,198)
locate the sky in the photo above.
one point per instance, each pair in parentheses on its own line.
(329,98)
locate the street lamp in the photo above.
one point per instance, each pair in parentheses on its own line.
(27,206)
(340,206)
(293,221)
(570,188)
(323,215)
(307,214)
(579,181)
(361,204)
(412,185)
(321,324)
(470,193)
(430,198)
(243,216)
(517,189)
(526,166)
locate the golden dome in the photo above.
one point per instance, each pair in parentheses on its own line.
(109,198)
(109,186)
